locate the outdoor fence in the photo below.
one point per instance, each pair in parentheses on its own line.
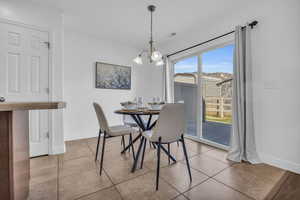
(218,106)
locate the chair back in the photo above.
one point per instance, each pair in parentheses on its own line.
(101,118)
(170,124)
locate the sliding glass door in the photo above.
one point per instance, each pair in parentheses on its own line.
(204,83)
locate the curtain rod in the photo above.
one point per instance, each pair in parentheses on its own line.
(252,24)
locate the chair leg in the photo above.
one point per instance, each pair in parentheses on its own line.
(137,155)
(123,142)
(186,157)
(97,148)
(169,160)
(144,148)
(154,146)
(102,153)
(158,146)
(132,146)
(128,143)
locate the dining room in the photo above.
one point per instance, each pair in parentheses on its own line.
(134,100)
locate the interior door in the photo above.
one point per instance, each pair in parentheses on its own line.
(24,77)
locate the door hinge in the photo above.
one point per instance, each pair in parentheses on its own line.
(47,135)
(47,90)
(48,44)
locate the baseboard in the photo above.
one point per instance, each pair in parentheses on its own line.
(81,137)
(58,149)
(283,164)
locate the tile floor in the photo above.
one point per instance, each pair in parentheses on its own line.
(75,175)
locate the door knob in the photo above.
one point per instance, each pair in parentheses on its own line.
(2,99)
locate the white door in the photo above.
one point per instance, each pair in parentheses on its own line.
(24,77)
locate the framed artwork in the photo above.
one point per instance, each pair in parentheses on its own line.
(109,76)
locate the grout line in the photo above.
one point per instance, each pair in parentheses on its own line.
(85,195)
(176,196)
(288,176)
(105,188)
(234,189)
(113,184)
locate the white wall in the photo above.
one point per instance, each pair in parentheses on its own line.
(51,20)
(80,54)
(276,50)
(149,82)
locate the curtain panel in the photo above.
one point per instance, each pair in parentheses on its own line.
(243,147)
(168,71)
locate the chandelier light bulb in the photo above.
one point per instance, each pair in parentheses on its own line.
(160,62)
(156,56)
(138,60)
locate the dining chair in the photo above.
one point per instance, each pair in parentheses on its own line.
(109,132)
(170,127)
(128,121)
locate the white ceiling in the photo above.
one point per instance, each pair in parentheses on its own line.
(128,21)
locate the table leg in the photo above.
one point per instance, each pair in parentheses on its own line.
(141,123)
(152,125)
(137,155)
(131,143)
(138,122)
(149,121)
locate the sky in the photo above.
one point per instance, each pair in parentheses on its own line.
(217,60)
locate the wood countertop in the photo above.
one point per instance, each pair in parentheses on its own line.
(11,106)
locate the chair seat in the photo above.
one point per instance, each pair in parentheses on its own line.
(121,130)
(149,135)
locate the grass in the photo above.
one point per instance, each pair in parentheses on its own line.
(226,120)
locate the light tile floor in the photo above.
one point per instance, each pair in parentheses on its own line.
(75,175)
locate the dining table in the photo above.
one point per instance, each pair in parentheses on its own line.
(138,115)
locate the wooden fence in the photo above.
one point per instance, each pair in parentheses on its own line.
(219,106)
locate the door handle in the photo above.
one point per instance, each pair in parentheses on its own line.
(2,99)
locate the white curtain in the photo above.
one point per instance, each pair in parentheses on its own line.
(243,147)
(168,81)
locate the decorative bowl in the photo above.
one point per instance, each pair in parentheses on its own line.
(156,106)
(129,105)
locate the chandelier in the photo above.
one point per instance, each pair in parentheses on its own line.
(153,54)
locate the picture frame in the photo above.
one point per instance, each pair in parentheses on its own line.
(111,76)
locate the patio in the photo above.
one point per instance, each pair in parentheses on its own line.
(213,131)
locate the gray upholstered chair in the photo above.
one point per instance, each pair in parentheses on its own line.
(128,121)
(110,131)
(170,127)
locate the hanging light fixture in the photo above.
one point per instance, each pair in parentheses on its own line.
(153,54)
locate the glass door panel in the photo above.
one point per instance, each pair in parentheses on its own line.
(216,92)
(186,91)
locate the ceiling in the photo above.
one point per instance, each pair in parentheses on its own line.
(128,21)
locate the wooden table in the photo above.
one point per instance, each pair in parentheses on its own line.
(136,116)
(14,147)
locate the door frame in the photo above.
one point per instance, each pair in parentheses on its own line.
(50,71)
(199,53)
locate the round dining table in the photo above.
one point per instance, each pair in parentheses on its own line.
(136,115)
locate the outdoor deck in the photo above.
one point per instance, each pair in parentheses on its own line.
(213,131)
